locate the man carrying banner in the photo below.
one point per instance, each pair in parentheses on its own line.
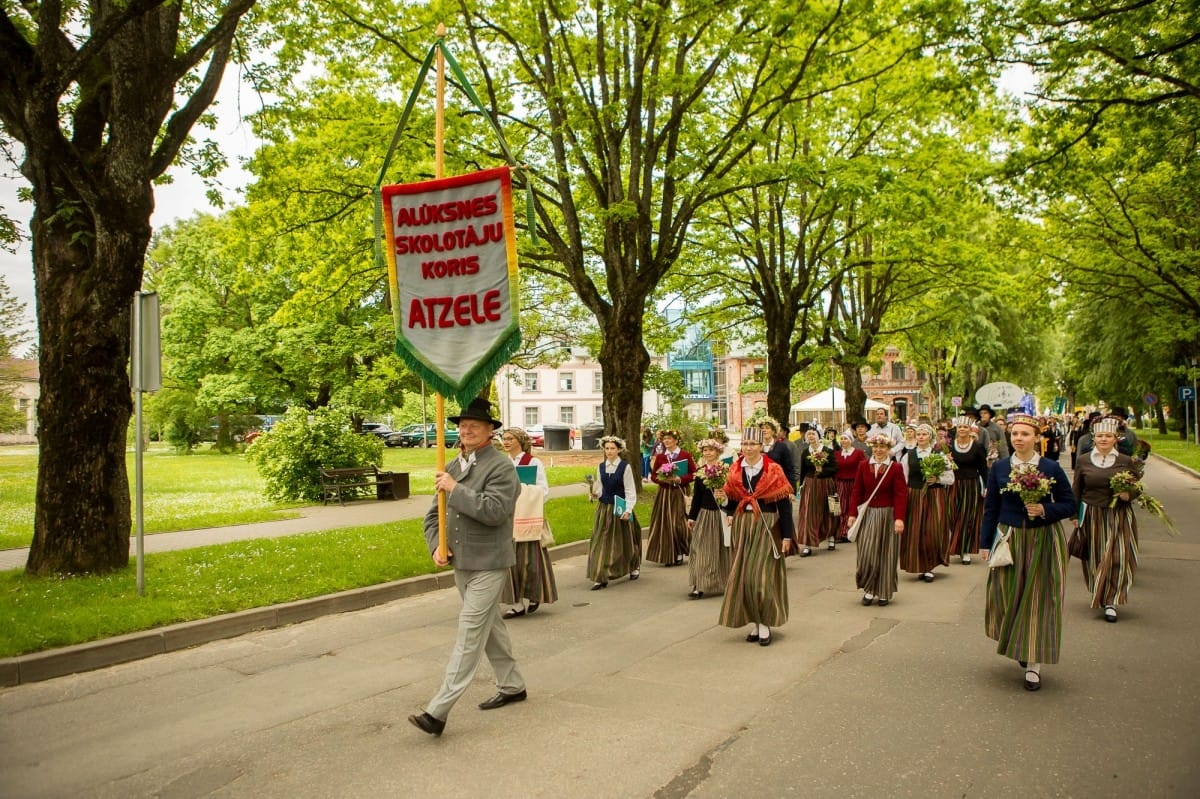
(481,489)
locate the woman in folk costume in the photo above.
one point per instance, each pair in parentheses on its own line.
(927,525)
(966,495)
(757,492)
(817,469)
(672,470)
(1107,522)
(615,548)
(879,482)
(708,559)
(848,459)
(531,579)
(1024,599)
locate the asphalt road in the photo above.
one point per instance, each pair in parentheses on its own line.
(636,692)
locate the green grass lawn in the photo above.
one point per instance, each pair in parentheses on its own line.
(203,489)
(1172,447)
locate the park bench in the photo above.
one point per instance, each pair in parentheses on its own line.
(342,483)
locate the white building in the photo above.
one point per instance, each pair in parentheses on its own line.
(570,393)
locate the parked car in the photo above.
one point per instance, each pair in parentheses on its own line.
(537,435)
(377,429)
(396,437)
(423,436)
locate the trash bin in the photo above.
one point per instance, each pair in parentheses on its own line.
(590,435)
(558,436)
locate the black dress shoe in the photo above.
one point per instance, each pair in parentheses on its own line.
(513,613)
(804,553)
(633,575)
(883,603)
(1034,684)
(427,723)
(501,699)
(598,586)
(695,594)
(752,638)
(533,606)
(764,641)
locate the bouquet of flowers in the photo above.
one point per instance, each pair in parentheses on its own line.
(713,475)
(818,458)
(1128,481)
(1028,483)
(936,462)
(667,469)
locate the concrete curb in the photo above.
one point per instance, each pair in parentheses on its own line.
(66,660)
(1178,466)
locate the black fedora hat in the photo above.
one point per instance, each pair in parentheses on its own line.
(480,410)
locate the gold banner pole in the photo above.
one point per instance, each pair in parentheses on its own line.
(439,169)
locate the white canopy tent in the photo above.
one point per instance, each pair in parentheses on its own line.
(828,406)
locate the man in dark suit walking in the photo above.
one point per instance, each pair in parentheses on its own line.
(481,488)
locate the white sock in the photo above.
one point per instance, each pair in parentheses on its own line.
(764,631)
(1036,668)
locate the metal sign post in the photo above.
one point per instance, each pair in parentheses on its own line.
(145,374)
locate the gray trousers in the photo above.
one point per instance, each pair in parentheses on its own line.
(480,631)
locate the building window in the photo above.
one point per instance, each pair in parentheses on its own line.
(566,381)
(598,414)
(23,404)
(921,375)
(598,382)
(566,414)
(898,371)
(532,416)
(530,381)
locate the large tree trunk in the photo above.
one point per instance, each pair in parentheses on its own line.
(780,370)
(856,397)
(84,293)
(624,361)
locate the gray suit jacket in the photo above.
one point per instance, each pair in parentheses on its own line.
(479,513)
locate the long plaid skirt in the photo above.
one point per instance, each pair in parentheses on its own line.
(1112,553)
(757,586)
(965,514)
(615,547)
(926,530)
(668,526)
(815,524)
(1024,600)
(532,577)
(877,547)
(708,560)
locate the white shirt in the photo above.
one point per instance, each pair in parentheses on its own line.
(1103,461)
(540,481)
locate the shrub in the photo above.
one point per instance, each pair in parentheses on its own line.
(290,457)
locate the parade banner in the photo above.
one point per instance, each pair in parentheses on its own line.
(452,271)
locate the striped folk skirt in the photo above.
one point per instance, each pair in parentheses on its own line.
(1112,553)
(708,560)
(878,548)
(844,489)
(615,547)
(816,524)
(966,512)
(757,586)
(1024,600)
(668,527)
(926,530)
(532,577)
